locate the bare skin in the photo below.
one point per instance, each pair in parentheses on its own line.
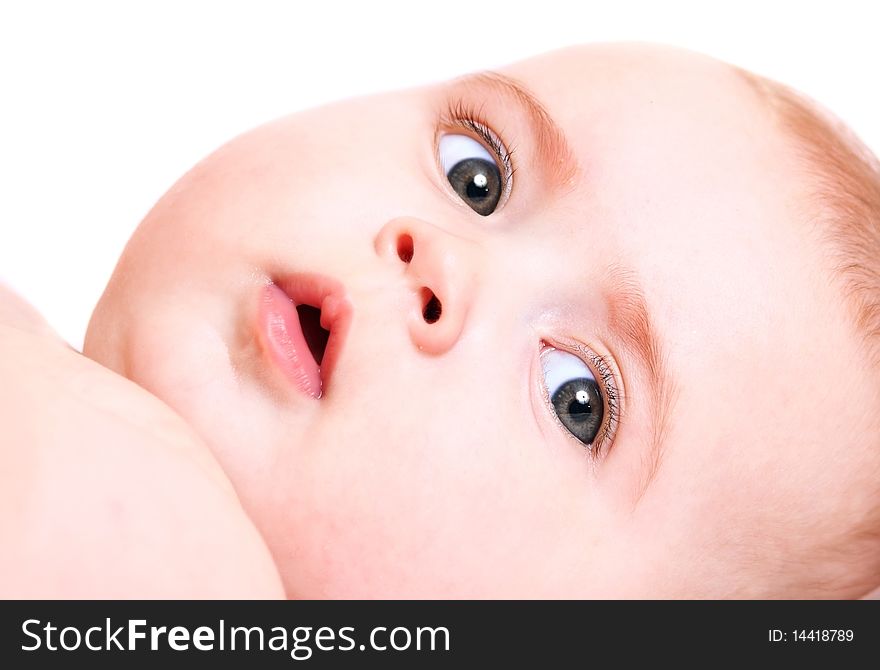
(104,491)
(434,463)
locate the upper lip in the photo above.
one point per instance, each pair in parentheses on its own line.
(328,295)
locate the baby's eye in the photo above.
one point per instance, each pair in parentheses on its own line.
(472,171)
(574,393)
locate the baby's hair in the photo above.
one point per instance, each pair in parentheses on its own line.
(843,181)
(843,176)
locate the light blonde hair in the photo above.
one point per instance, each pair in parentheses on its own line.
(844,180)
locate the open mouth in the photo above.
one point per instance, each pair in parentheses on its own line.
(302,321)
(316,337)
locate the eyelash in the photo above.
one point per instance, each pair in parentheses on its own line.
(462,114)
(612,401)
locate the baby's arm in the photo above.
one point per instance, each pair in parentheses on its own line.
(104,490)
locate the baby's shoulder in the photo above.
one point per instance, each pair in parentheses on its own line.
(18,313)
(104,490)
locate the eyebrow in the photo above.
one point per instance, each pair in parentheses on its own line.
(552,148)
(631,321)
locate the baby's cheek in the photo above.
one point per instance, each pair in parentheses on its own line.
(462,510)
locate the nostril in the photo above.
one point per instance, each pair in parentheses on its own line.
(405,248)
(432,308)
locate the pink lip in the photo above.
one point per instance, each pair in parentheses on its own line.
(281,332)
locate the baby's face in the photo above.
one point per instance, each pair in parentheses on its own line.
(628,376)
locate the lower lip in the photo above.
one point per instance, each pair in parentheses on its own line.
(284,340)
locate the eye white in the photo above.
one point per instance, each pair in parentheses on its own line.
(456,148)
(561,367)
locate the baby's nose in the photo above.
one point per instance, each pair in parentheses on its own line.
(440,270)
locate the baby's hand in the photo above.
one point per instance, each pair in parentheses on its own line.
(104,491)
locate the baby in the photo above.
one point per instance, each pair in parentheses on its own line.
(604,323)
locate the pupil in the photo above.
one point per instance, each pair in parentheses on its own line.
(478,182)
(579,410)
(578,404)
(475,191)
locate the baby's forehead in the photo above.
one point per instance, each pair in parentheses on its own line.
(630,71)
(649,98)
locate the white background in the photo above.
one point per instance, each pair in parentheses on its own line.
(104,105)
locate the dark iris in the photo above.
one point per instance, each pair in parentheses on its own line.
(478,182)
(578,404)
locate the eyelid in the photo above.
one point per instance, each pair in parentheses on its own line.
(460,116)
(607,377)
